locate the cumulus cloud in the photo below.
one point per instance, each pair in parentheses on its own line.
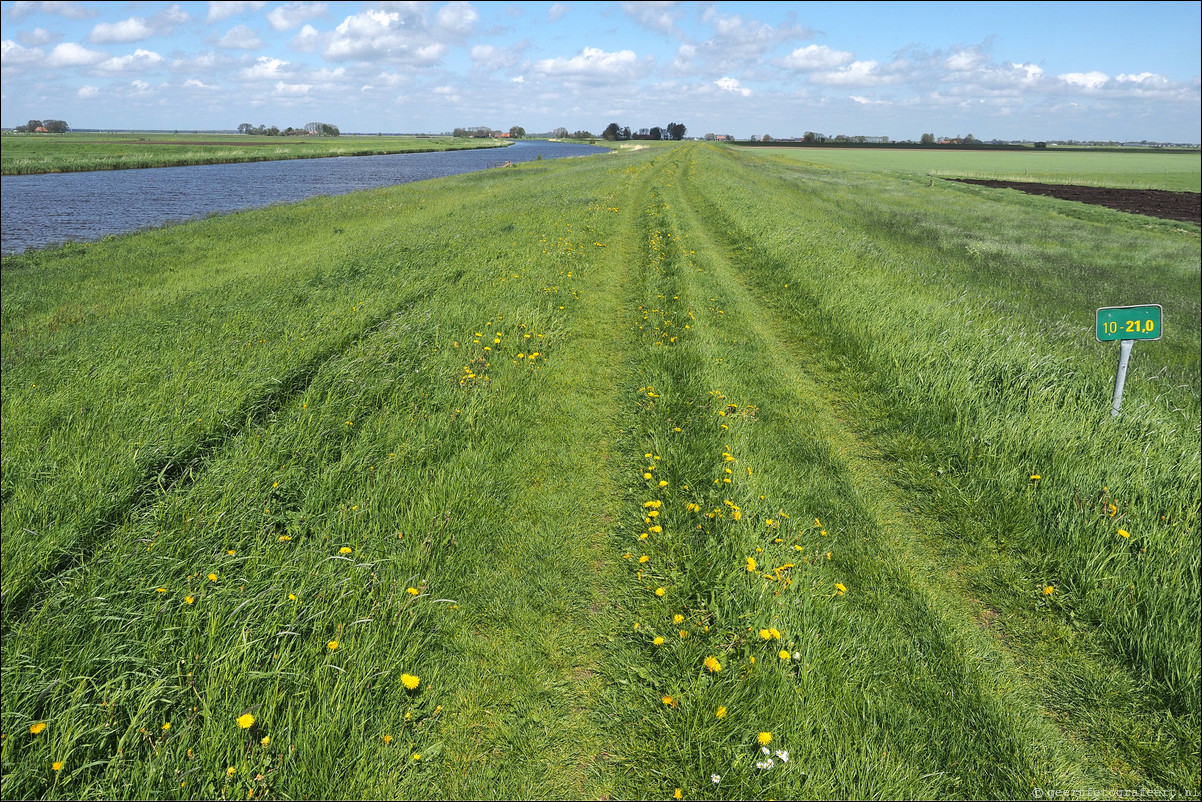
(12,54)
(38,36)
(138,60)
(378,35)
(264,69)
(292,90)
(556,12)
(816,57)
(196,83)
(456,18)
(738,40)
(732,85)
(592,62)
(68,10)
(240,37)
(965,59)
(658,16)
(70,54)
(134,29)
(289,15)
(1086,80)
(224,9)
(307,41)
(494,58)
(87,91)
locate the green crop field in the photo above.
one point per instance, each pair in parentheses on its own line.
(1135,169)
(688,472)
(58,153)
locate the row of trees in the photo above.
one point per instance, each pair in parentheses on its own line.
(309,129)
(43,127)
(615,133)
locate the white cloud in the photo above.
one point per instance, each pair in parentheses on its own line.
(139,86)
(68,10)
(731,85)
(134,29)
(494,58)
(457,18)
(138,60)
(196,83)
(38,36)
(1086,80)
(816,57)
(965,59)
(858,73)
(658,16)
(12,54)
(224,9)
(592,62)
(87,91)
(377,35)
(289,15)
(240,37)
(264,69)
(308,40)
(70,54)
(292,90)
(556,12)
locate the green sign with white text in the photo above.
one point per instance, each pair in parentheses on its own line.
(1128,323)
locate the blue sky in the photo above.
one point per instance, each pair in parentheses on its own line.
(1048,70)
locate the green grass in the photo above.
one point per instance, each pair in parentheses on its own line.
(453,428)
(1137,169)
(29,154)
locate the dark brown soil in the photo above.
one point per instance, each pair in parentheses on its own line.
(1183,206)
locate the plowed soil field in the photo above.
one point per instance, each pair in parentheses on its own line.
(1183,206)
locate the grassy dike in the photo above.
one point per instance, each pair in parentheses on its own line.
(586,479)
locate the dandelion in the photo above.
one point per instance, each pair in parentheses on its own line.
(189,600)
(840,588)
(677,794)
(1124,533)
(764,738)
(291,597)
(751,565)
(677,619)
(783,655)
(1048,590)
(1035,477)
(57,765)
(412,591)
(669,701)
(410,681)
(231,771)
(387,739)
(166,726)
(721,712)
(712,664)
(644,559)
(266,740)
(659,641)
(285,538)
(37,729)
(416,758)
(332,646)
(212,577)
(246,721)
(160,590)
(345,550)
(660,592)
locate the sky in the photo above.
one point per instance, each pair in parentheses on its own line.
(1096,71)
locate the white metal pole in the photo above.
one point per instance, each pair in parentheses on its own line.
(1121,376)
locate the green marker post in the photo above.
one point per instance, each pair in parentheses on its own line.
(1126,324)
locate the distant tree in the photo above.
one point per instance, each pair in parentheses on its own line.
(560,133)
(766,138)
(612,132)
(969,139)
(582,135)
(710,137)
(656,133)
(676,131)
(517,132)
(809,136)
(927,139)
(56,126)
(245,128)
(625,135)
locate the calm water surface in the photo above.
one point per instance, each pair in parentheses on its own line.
(40,210)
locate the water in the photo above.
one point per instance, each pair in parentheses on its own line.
(41,210)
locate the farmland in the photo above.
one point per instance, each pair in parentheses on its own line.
(27,155)
(686,468)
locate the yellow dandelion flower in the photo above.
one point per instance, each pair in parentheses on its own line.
(644,558)
(266,740)
(417,757)
(1124,533)
(160,590)
(387,739)
(212,577)
(677,619)
(412,591)
(659,641)
(766,634)
(246,720)
(712,664)
(783,655)
(1048,590)
(166,726)
(841,588)
(332,645)
(660,592)
(751,564)
(410,681)
(345,550)
(721,711)
(231,771)
(57,765)
(669,701)
(37,729)
(764,738)
(677,794)
(188,600)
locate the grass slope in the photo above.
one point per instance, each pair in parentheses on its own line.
(680,469)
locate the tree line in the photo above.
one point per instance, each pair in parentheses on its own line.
(309,129)
(616,133)
(43,127)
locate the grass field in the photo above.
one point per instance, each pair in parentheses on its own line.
(29,154)
(687,471)
(1137,169)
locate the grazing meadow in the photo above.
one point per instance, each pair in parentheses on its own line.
(27,154)
(684,472)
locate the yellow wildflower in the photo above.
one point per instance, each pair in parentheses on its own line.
(677,619)
(246,720)
(840,588)
(188,600)
(332,645)
(751,564)
(266,740)
(764,738)
(659,641)
(166,726)
(212,577)
(1048,590)
(410,681)
(57,765)
(36,729)
(721,712)
(345,550)
(387,739)
(660,592)
(712,664)
(1124,533)
(412,591)
(677,794)
(783,655)
(669,701)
